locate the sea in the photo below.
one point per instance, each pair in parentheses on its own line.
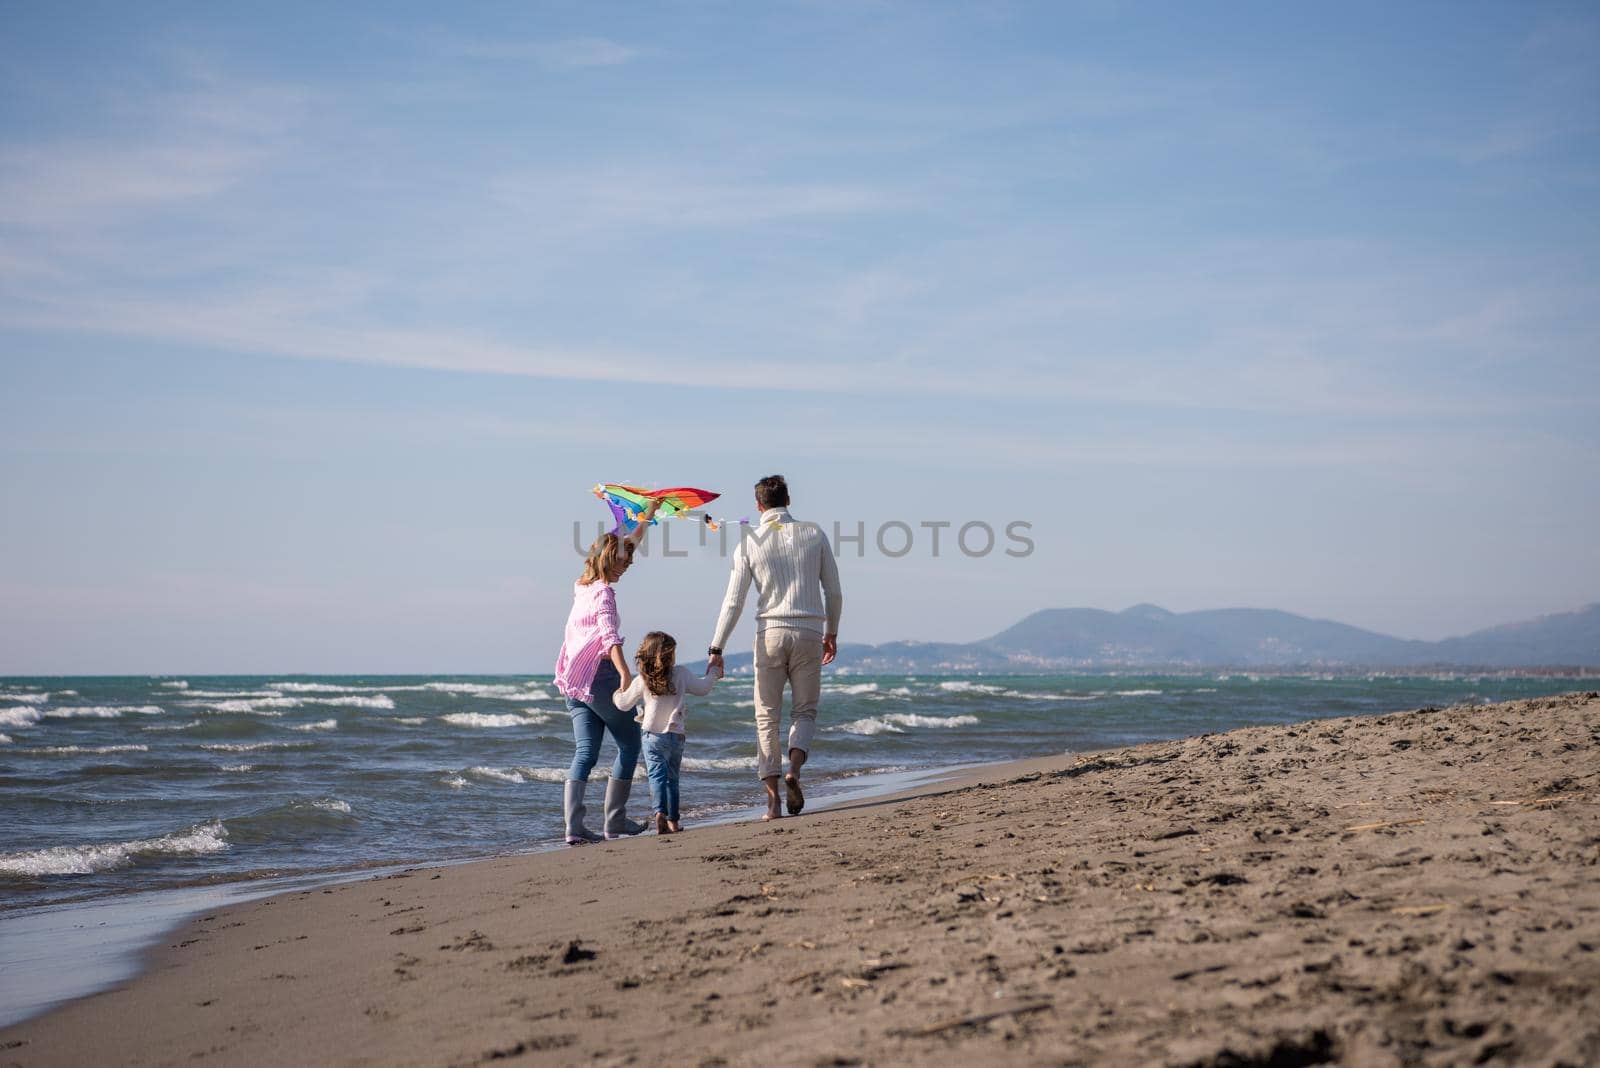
(113,786)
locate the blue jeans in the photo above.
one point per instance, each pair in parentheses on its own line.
(590,721)
(663,753)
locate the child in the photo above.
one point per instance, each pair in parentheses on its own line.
(660,686)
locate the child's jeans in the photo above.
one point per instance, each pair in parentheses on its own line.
(663,753)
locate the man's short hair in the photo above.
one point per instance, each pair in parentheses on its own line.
(772,492)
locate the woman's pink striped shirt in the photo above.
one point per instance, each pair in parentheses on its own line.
(591,632)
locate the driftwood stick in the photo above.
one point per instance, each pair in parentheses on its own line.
(1381,824)
(1014,1009)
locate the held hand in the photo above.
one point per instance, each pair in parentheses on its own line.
(830,648)
(627,679)
(715,664)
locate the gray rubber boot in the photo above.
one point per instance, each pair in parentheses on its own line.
(617,821)
(577,833)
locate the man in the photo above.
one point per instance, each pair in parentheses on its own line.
(797,630)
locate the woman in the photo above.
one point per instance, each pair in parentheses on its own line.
(589,669)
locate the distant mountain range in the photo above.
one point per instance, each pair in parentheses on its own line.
(1150,637)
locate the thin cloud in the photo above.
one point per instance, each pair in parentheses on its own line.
(572,53)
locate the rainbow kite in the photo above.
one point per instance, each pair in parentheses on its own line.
(627,503)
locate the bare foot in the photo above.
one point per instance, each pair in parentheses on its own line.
(674,826)
(662,826)
(793,796)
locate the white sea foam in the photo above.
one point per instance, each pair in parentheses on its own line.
(102,711)
(68,693)
(455,782)
(21,716)
(411,721)
(719,763)
(320,725)
(911,719)
(251,747)
(238,767)
(232,693)
(25,698)
(964,686)
(495,774)
(172,726)
(176,684)
(867,726)
(5,739)
(259,706)
(67,750)
(896,722)
(379,701)
(332,804)
(197,841)
(560,774)
(1138,693)
(480,719)
(531,691)
(858,687)
(334,687)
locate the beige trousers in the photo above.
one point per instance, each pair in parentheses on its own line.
(794,656)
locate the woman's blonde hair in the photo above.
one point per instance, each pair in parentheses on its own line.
(655,658)
(608,558)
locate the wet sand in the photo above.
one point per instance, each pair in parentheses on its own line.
(1419,888)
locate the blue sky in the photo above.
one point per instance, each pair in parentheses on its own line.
(316,325)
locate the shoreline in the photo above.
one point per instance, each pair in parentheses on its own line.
(66,954)
(1416,887)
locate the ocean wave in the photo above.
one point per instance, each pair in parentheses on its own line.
(964,686)
(5,739)
(867,726)
(193,723)
(1138,693)
(67,750)
(102,711)
(481,719)
(255,706)
(455,782)
(176,684)
(238,767)
(490,690)
(411,721)
(855,687)
(321,725)
(22,716)
(290,821)
(198,841)
(495,774)
(333,687)
(25,698)
(719,763)
(251,747)
(560,774)
(381,700)
(232,693)
(896,722)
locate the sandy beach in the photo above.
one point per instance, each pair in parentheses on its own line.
(1417,888)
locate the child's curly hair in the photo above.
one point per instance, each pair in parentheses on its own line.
(655,657)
